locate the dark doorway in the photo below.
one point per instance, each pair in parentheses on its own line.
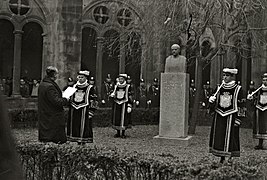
(6,48)
(31,52)
(89,50)
(133,57)
(111,52)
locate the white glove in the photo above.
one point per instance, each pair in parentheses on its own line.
(149,102)
(112,95)
(212,99)
(103,101)
(137,103)
(203,104)
(249,97)
(129,110)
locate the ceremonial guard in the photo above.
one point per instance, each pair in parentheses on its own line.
(260,121)
(83,106)
(107,89)
(250,104)
(154,94)
(122,106)
(224,135)
(141,95)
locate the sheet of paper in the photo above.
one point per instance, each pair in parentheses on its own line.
(69,92)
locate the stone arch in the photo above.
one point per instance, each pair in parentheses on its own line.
(93,25)
(32,50)
(89,49)
(6,48)
(9,17)
(37,20)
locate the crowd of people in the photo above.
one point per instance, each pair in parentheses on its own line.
(28,87)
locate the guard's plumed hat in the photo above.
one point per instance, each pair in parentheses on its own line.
(230,70)
(264,75)
(175,46)
(123,75)
(86,73)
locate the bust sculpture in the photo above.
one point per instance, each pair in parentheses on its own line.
(175,63)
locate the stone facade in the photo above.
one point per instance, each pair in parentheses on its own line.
(63,23)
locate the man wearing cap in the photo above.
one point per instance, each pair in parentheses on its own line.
(154,94)
(122,106)
(141,95)
(260,121)
(207,92)
(175,62)
(250,104)
(224,135)
(81,112)
(50,109)
(70,83)
(107,89)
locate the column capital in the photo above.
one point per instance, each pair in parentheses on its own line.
(44,34)
(18,32)
(100,39)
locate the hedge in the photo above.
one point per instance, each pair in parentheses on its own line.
(73,162)
(29,118)
(140,116)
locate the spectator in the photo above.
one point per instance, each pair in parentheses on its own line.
(141,95)
(70,83)
(24,88)
(35,86)
(107,89)
(154,94)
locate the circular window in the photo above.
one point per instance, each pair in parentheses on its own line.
(19,7)
(124,17)
(101,14)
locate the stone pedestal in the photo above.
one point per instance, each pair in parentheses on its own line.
(174,106)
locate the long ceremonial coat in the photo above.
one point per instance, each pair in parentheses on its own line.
(83,106)
(51,112)
(260,122)
(224,135)
(121,119)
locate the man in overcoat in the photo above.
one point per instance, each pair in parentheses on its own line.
(50,109)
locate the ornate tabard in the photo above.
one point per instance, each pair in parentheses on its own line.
(121,93)
(262,100)
(81,97)
(227,99)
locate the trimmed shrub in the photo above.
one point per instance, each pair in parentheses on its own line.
(68,161)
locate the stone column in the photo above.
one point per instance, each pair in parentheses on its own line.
(99,59)
(17,63)
(123,41)
(44,55)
